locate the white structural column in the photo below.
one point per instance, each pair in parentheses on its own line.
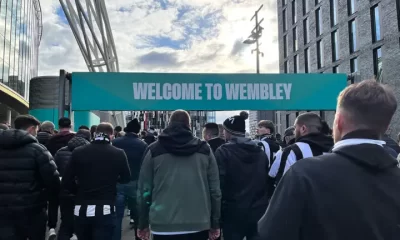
(9,117)
(90,25)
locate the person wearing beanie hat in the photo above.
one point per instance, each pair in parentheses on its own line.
(236,125)
(243,168)
(134,149)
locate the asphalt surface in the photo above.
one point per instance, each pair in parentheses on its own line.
(127,232)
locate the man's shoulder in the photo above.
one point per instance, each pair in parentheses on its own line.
(317,163)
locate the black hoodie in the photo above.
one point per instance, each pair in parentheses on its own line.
(59,141)
(352,193)
(243,168)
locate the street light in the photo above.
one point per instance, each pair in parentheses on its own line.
(255,35)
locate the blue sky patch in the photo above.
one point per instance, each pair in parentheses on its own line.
(61,15)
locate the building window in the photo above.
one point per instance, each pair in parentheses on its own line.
(287,120)
(351,6)
(333,9)
(294,11)
(306,31)
(296,63)
(335,69)
(305,7)
(354,65)
(284,3)
(297,114)
(353,35)
(318,19)
(306,60)
(285,46)
(376,23)
(378,63)
(320,54)
(317,2)
(284,20)
(295,42)
(285,67)
(335,46)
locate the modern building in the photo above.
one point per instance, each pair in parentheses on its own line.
(356,37)
(20,35)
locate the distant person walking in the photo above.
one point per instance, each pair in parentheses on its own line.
(46,131)
(134,149)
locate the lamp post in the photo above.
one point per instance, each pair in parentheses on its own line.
(254,37)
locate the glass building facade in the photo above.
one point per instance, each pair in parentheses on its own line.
(20,34)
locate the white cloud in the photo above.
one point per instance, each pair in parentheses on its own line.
(214,48)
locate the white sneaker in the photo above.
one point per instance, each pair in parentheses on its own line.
(131,222)
(74,237)
(52,234)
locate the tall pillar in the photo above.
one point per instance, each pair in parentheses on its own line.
(9,115)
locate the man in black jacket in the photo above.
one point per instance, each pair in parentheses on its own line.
(211,135)
(46,131)
(134,149)
(28,177)
(309,142)
(351,193)
(62,159)
(243,167)
(97,168)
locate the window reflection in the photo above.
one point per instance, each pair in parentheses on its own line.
(19,42)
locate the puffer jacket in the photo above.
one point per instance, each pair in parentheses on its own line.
(28,174)
(43,137)
(63,156)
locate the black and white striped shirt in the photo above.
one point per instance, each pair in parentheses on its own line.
(93,210)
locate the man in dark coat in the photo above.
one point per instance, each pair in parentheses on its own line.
(134,149)
(28,177)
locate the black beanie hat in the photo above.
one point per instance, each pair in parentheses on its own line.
(236,125)
(133,126)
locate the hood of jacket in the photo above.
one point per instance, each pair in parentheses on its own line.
(62,137)
(76,142)
(372,156)
(179,140)
(318,141)
(245,148)
(13,138)
(391,143)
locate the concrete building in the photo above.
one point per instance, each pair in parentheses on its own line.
(357,37)
(20,35)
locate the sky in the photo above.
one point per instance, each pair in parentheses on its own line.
(191,36)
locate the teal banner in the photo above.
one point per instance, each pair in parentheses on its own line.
(171,91)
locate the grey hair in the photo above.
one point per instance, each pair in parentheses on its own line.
(47,126)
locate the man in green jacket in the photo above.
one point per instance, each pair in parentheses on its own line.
(179,194)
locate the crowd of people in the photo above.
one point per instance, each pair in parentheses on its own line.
(312,183)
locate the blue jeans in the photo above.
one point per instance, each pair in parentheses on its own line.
(125,192)
(95,228)
(119,211)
